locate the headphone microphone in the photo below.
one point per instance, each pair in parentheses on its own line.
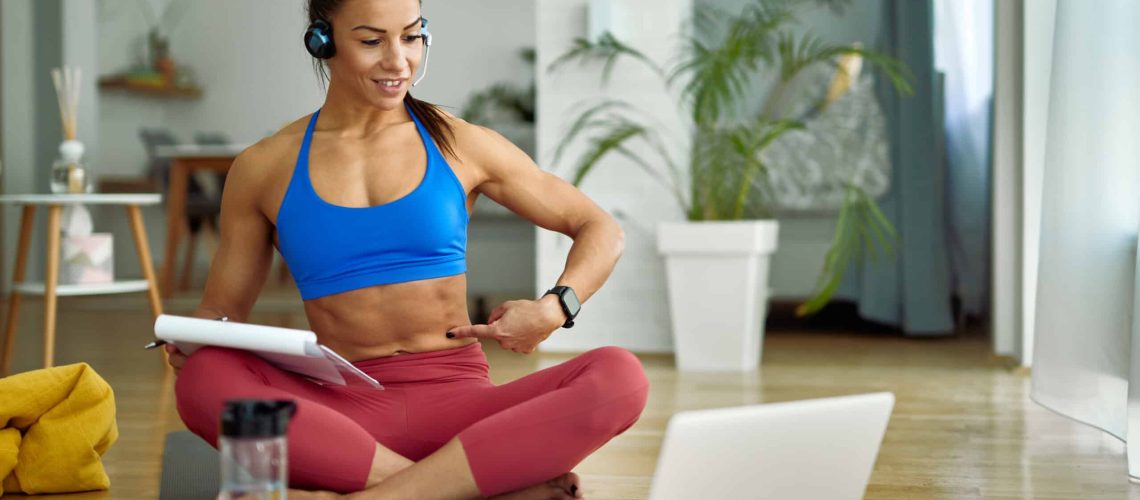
(426,35)
(319,42)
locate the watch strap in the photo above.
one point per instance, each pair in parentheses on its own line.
(557,291)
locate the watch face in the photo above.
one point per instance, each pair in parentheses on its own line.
(571,300)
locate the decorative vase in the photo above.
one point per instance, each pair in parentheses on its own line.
(165,66)
(69,174)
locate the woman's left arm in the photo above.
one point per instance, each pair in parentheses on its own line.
(508,176)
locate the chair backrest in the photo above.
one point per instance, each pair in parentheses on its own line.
(212,183)
(211,137)
(152,138)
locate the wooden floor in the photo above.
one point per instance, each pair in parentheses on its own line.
(963,425)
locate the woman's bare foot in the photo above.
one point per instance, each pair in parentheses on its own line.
(312,495)
(560,488)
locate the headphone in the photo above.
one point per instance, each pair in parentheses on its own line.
(319,42)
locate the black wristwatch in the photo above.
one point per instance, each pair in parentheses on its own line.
(569,302)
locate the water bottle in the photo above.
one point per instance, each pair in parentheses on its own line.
(253,449)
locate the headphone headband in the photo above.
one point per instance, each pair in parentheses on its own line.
(319,39)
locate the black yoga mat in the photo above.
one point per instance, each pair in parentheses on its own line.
(189,468)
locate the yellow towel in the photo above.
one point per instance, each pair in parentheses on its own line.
(55,423)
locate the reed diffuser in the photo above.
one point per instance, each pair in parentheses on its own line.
(69,174)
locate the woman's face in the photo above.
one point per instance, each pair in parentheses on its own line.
(378,49)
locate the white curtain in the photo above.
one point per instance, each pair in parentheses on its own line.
(963,52)
(1086,361)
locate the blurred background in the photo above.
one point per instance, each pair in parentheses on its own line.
(236,78)
(890,157)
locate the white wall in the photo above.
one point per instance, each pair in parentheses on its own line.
(475,45)
(1019,161)
(631,309)
(1007,178)
(1040,16)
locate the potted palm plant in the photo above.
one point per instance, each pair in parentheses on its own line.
(717,260)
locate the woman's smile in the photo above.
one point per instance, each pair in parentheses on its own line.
(389,87)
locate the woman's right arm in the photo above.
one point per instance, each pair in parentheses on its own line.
(244,255)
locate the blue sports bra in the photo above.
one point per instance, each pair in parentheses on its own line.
(331,248)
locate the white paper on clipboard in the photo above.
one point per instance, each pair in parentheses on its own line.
(286,348)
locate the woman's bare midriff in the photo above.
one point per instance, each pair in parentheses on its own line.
(386,320)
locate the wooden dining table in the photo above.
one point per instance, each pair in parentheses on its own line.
(185,160)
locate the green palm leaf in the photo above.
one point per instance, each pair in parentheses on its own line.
(796,55)
(859,219)
(716,77)
(748,142)
(590,118)
(607,49)
(614,138)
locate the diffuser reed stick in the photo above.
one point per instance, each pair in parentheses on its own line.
(67,81)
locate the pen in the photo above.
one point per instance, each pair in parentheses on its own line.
(161,342)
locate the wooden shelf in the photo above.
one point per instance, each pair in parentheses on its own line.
(92,289)
(118,84)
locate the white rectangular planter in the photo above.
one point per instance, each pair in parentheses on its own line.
(718,290)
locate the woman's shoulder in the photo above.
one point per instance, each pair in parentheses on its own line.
(280,145)
(471,139)
(479,145)
(271,155)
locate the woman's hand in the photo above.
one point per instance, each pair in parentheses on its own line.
(174,357)
(518,325)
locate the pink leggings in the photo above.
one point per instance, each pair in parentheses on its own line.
(515,435)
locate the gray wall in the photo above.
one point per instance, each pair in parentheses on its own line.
(19,122)
(32,46)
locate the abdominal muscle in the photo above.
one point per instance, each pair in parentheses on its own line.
(392,319)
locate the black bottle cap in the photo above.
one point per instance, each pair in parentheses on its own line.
(245,418)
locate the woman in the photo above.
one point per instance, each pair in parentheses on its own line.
(368,200)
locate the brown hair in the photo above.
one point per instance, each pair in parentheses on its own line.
(429,114)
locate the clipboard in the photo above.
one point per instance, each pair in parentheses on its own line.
(289,349)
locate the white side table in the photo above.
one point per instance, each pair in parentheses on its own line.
(50,288)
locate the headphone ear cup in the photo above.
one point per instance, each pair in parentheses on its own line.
(424,31)
(319,40)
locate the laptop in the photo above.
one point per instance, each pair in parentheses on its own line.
(802,450)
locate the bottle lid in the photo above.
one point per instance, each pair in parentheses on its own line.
(246,418)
